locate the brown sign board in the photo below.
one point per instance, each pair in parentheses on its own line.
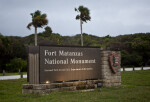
(68,63)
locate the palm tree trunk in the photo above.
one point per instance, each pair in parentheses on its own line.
(35,36)
(81,32)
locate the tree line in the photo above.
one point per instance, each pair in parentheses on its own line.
(135,48)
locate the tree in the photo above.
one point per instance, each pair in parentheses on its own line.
(107,41)
(5,51)
(38,20)
(16,64)
(5,46)
(84,16)
(48,30)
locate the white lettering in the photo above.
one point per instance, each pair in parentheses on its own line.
(48,53)
(67,53)
(74,61)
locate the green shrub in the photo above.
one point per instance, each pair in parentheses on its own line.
(16,64)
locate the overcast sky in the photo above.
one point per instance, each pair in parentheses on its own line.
(113,17)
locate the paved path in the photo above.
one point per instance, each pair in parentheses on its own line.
(25,76)
(12,77)
(137,68)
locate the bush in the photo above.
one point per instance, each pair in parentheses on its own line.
(16,64)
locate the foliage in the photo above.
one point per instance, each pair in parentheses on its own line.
(11,47)
(88,41)
(51,39)
(106,40)
(5,45)
(84,13)
(131,59)
(5,51)
(18,48)
(16,64)
(48,30)
(38,20)
(135,48)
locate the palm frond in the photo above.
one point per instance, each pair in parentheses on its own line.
(75,9)
(77,17)
(29,25)
(84,13)
(43,16)
(38,19)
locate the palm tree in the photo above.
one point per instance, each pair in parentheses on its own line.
(38,20)
(84,16)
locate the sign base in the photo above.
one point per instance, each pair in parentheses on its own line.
(63,86)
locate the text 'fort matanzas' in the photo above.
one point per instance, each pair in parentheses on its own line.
(68,59)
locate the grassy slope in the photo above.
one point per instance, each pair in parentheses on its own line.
(135,88)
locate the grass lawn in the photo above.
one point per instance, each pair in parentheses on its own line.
(9,74)
(135,88)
